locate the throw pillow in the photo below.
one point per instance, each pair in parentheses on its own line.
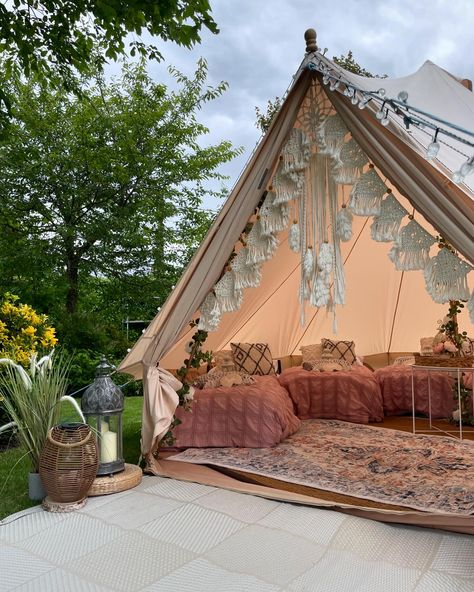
(331,365)
(311,352)
(224,359)
(215,378)
(340,350)
(426,346)
(253,358)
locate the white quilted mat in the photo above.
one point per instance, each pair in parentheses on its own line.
(172,536)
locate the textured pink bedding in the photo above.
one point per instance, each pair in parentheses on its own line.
(254,416)
(395,384)
(349,396)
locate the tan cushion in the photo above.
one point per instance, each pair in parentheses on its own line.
(339,349)
(224,358)
(254,358)
(331,365)
(311,352)
(215,378)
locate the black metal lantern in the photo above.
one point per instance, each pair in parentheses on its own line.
(102,405)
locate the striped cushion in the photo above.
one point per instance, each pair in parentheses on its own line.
(254,358)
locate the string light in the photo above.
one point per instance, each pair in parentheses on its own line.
(411,116)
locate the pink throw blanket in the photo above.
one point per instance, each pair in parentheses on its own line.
(349,396)
(395,384)
(254,416)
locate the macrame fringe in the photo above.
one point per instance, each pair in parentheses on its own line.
(344,224)
(386,225)
(294,237)
(331,134)
(210,314)
(339,279)
(261,246)
(287,186)
(273,218)
(320,293)
(367,193)
(228,297)
(308,263)
(245,276)
(446,277)
(296,152)
(411,248)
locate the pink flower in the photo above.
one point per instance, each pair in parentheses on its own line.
(450,347)
(438,348)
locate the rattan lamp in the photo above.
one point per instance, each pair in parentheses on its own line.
(102,406)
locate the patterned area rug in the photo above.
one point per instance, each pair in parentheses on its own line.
(428,473)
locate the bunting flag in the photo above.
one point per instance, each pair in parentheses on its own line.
(273,218)
(228,297)
(446,277)
(386,225)
(367,194)
(261,246)
(245,275)
(210,314)
(411,247)
(350,163)
(287,186)
(331,134)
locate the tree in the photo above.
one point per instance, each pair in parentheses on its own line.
(348,63)
(104,190)
(50,37)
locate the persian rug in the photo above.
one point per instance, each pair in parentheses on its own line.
(428,473)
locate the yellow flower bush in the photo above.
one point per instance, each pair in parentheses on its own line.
(23,332)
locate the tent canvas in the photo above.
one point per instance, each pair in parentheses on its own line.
(385,309)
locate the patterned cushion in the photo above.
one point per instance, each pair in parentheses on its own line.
(341,350)
(224,359)
(254,358)
(330,365)
(216,378)
(311,352)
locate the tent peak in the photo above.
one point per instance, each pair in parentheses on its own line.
(310,38)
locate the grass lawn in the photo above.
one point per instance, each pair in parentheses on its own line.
(14,464)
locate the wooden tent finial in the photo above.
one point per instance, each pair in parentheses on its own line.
(310,38)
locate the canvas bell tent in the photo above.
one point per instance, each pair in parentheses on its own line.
(332,226)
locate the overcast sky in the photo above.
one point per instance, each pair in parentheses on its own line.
(261,44)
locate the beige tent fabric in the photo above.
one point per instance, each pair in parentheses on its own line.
(159,403)
(208,476)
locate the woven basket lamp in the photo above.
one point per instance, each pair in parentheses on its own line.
(68,465)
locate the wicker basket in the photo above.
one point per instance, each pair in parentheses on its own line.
(444,361)
(68,462)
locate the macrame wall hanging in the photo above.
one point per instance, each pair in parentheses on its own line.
(445,277)
(319,162)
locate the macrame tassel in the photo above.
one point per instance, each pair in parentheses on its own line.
(287,186)
(367,193)
(344,224)
(210,314)
(273,218)
(350,163)
(308,263)
(228,297)
(331,134)
(411,247)
(470,307)
(260,246)
(296,151)
(320,293)
(386,225)
(245,276)
(294,237)
(326,258)
(445,277)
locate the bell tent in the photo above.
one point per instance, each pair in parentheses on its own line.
(334,226)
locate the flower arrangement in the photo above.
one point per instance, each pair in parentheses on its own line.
(449,340)
(196,356)
(23,332)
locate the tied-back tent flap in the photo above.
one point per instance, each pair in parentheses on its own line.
(385,309)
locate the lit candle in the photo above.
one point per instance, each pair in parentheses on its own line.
(108,450)
(104,427)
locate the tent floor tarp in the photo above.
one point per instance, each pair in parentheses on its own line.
(290,492)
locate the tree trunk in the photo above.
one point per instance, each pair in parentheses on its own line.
(72,273)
